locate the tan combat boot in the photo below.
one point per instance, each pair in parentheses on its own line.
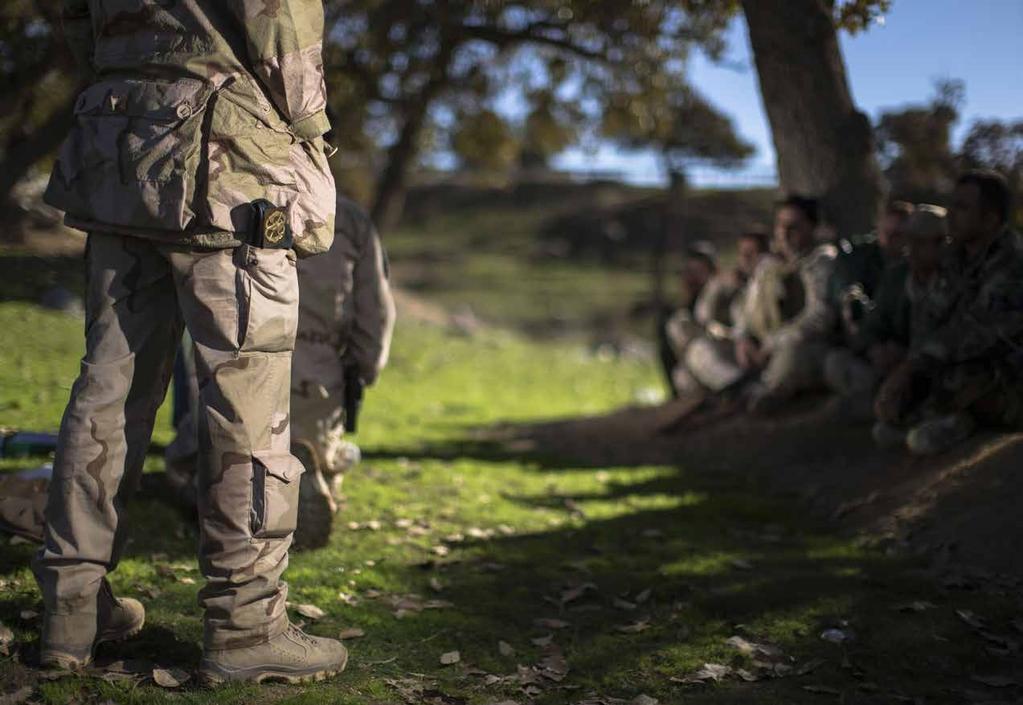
(67,641)
(316,505)
(292,656)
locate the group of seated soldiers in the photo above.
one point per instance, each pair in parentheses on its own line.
(917,326)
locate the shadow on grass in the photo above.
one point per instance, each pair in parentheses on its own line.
(687,555)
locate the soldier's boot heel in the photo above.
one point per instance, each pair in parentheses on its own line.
(316,506)
(66,643)
(292,657)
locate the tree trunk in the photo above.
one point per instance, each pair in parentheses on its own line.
(824,145)
(389,199)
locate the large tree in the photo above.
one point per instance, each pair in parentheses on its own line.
(824,144)
(398,67)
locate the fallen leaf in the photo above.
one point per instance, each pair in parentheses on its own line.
(169,677)
(440,550)
(543,640)
(350,600)
(634,628)
(450,658)
(505,649)
(971,618)
(835,636)
(351,633)
(710,672)
(574,593)
(185,580)
(551,623)
(644,700)
(750,648)
(436,585)
(746,675)
(741,564)
(624,604)
(437,605)
(373,525)
(310,612)
(643,596)
(28,615)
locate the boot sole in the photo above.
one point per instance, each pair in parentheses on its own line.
(57,660)
(259,675)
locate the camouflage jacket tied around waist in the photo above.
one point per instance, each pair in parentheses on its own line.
(198,109)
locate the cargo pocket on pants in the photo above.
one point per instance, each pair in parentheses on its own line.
(268,281)
(275,480)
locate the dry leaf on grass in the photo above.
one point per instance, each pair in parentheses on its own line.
(623,604)
(644,700)
(741,564)
(750,648)
(6,639)
(546,623)
(634,628)
(310,611)
(915,606)
(170,677)
(543,640)
(351,633)
(715,672)
(822,690)
(575,592)
(643,596)
(450,658)
(971,618)
(28,615)
(436,585)
(505,649)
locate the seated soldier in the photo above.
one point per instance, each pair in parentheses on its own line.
(862,263)
(698,269)
(965,364)
(346,316)
(786,323)
(878,344)
(702,339)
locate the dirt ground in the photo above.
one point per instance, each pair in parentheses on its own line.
(960,508)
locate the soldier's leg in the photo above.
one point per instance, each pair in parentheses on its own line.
(132,327)
(712,362)
(241,308)
(316,415)
(795,368)
(848,374)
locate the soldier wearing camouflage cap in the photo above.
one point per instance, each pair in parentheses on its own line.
(196,163)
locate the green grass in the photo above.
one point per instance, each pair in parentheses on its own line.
(718,557)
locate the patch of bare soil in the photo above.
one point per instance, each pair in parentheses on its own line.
(962,507)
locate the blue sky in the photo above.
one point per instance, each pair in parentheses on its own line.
(892,64)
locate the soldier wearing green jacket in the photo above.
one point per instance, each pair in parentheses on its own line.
(196,164)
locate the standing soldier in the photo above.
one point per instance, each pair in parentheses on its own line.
(344,337)
(197,166)
(345,320)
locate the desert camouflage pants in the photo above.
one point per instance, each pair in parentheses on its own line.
(240,307)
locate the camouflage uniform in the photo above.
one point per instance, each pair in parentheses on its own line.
(700,339)
(787,310)
(970,344)
(346,318)
(197,109)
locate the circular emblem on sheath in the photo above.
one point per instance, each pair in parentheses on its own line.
(275,227)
